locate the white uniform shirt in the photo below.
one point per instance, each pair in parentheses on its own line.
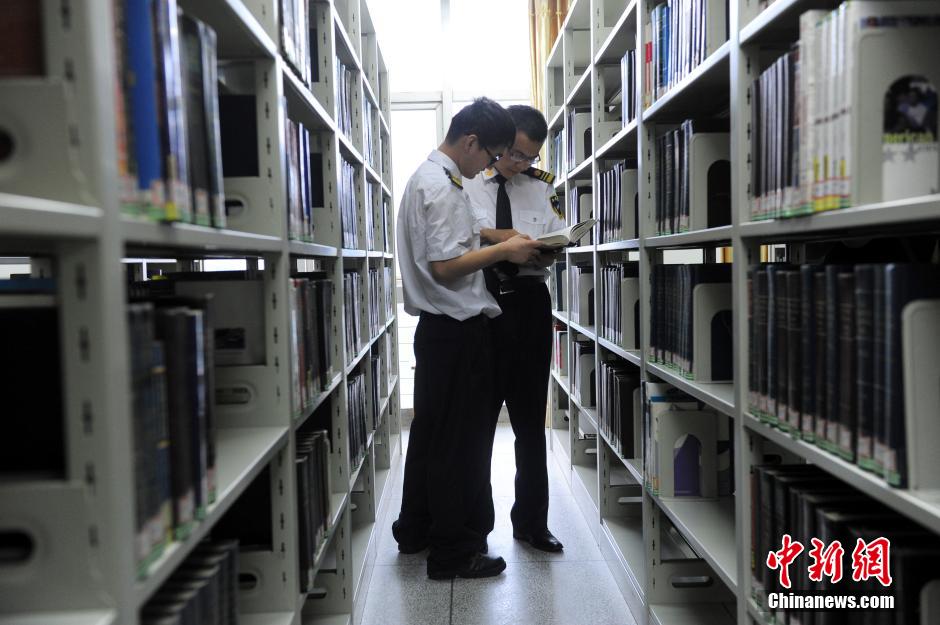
(531,201)
(436,222)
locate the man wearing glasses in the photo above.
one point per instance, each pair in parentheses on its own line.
(508,199)
(446,495)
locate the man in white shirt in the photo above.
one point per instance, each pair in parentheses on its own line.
(511,198)
(446,496)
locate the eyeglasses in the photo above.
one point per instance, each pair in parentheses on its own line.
(519,157)
(493,157)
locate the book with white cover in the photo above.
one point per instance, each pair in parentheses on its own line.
(566,236)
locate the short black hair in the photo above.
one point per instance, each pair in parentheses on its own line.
(530,121)
(486,119)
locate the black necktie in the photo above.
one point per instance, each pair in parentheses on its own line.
(503,270)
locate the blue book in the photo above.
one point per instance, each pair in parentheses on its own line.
(145,128)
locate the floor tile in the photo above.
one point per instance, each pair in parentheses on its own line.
(542,593)
(403,595)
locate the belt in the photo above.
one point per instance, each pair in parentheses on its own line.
(480,318)
(520,283)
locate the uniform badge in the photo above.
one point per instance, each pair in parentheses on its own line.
(454,180)
(556,207)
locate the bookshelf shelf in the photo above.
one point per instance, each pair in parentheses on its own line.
(621,37)
(562,382)
(587,331)
(718,395)
(690,614)
(630,356)
(626,534)
(619,246)
(621,144)
(346,52)
(560,315)
(348,253)
(560,182)
(635,467)
(22,215)
(856,221)
(581,91)
(370,93)
(241,454)
(386,190)
(238,31)
(557,118)
(318,400)
(361,548)
(589,412)
(387,256)
(372,175)
(708,83)
(350,151)
(357,359)
(921,506)
(582,170)
(584,485)
(755,612)
(562,444)
(76,617)
(581,249)
(708,526)
(375,254)
(328,619)
(780,21)
(266,618)
(193,237)
(301,248)
(302,105)
(721,234)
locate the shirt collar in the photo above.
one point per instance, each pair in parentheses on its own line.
(436,156)
(489,175)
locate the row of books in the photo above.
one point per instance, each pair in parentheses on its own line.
(313,499)
(582,294)
(360,422)
(169,145)
(680,35)
(619,203)
(202,591)
(372,143)
(583,378)
(804,502)
(687,449)
(377,237)
(378,307)
(348,204)
(628,97)
(299,39)
(557,155)
(619,319)
(690,320)
(345,77)
(311,336)
(619,406)
(579,142)
(173,393)
(379,386)
(304,180)
(829,357)
(352,296)
(829,131)
(560,348)
(693,177)
(31,383)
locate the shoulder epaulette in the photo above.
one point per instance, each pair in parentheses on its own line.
(454,180)
(539,174)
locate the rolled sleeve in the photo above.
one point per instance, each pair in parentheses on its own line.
(447,234)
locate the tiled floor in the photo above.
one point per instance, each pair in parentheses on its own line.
(571,588)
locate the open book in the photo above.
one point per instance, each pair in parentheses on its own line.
(566,236)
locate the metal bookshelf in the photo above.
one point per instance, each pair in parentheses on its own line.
(632,540)
(88,571)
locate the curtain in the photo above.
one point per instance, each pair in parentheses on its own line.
(545,19)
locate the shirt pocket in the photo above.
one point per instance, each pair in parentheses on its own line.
(532,218)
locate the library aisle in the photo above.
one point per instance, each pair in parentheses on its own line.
(574,587)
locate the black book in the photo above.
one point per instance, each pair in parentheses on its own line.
(761,289)
(847,365)
(196,117)
(808,355)
(781,314)
(864,361)
(823,372)
(794,349)
(904,283)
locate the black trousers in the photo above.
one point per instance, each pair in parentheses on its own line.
(523,340)
(446,494)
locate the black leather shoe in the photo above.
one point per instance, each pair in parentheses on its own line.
(540,539)
(408,546)
(477,565)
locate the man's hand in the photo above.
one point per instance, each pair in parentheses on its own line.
(520,249)
(543,259)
